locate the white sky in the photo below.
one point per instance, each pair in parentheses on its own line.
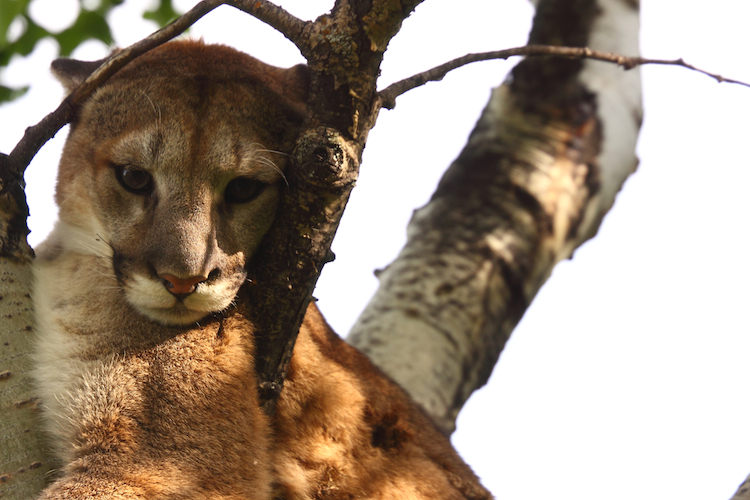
(627,377)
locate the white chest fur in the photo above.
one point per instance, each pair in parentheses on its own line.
(83,323)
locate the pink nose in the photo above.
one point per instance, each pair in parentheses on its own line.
(180,286)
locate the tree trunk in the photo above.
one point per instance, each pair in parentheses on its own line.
(743,492)
(22,452)
(540,170)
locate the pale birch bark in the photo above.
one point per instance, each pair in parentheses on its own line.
(743,492)
(24,462)
(532,184)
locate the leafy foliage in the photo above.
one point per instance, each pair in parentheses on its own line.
(8,94)
(163,14)
(90,24)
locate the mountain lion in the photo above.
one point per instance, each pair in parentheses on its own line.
(169,179)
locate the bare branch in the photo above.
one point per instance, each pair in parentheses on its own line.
(389,94)
(276,17)
(344,51)
(36,136)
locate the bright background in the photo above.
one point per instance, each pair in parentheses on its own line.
(627,378)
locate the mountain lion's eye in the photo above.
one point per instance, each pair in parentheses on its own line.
(242,190)
(134,180)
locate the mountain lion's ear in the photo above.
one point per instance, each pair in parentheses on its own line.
(71,72)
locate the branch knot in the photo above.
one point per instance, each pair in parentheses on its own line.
(330,160)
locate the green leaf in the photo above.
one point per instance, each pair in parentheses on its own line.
(163,14)
(9,10)
(88,25)
(104,5)
(24,45)
(9,94)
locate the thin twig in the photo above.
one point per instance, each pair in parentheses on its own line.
(276,17)
(389,94)
(36,136)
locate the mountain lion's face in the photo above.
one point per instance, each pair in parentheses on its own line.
(173,170)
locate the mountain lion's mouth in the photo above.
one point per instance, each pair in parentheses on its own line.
(153,300)
(179,314)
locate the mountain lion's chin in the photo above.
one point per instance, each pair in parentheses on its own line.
(178,315)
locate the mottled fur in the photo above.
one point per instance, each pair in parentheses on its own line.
(150,394)
(344,431)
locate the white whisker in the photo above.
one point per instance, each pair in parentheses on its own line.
(270,163)
(271,151)
(157,109)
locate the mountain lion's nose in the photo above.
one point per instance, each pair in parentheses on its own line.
(180,286)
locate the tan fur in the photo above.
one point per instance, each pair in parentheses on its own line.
(152,395)
(344,430)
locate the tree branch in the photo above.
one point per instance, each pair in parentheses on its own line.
(276,17)
(13,165)
(533,182)
(344,51)
(36,136)
(389,94)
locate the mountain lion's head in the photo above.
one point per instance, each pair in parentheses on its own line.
(172,172)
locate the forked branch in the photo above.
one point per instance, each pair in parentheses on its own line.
(13,165)
(389,94)
(275,16)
